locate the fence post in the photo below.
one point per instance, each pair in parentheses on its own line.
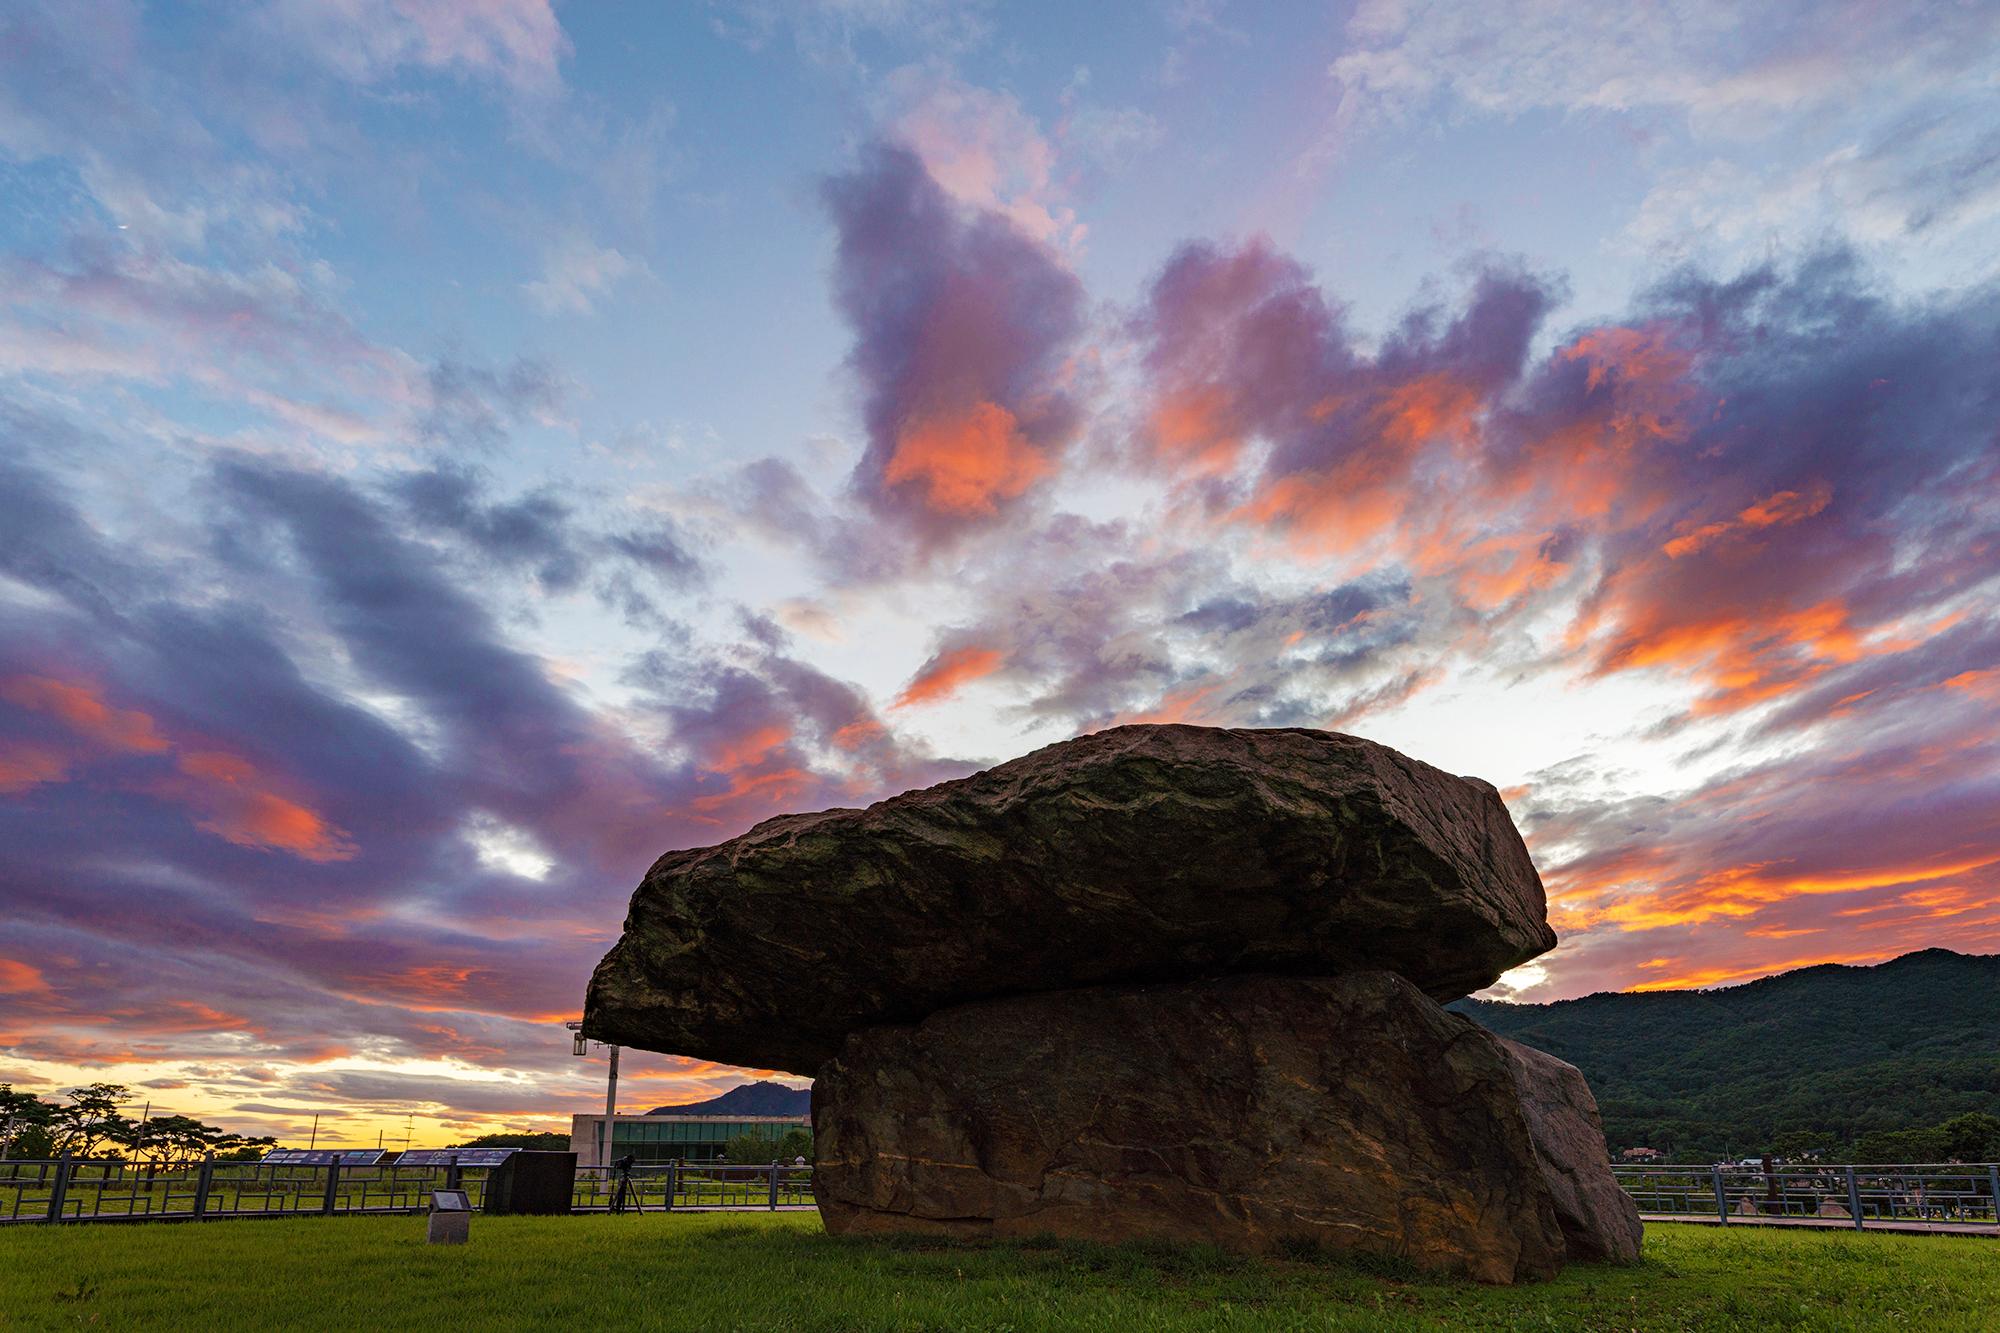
(1721,1195)
(774,1187)
(1854,1198)
(204,1178)
(59,1188)
(332,1187)
(452,1178)
(673,1179)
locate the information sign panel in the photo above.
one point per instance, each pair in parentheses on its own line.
(322,1157)
(462,1156)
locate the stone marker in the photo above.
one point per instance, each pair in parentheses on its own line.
(1141,853)
(449,1229)
(1159,982)
(450,1218)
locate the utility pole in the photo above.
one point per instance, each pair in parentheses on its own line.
(610,1106)
(313,1142)
(581,1046)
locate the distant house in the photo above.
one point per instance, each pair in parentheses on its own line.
(1641,1154)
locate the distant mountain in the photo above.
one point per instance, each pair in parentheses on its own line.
(1831,1049)
(748,1099)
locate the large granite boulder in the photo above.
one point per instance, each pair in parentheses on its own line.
(1142,853)
(1254,1113)
(1599,1220)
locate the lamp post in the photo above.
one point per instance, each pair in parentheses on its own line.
(581,1046)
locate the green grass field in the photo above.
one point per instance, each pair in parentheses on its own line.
(764,1271)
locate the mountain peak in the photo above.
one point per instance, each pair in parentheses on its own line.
(748,1099)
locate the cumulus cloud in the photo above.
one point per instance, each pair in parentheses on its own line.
(964,328)
(984,150)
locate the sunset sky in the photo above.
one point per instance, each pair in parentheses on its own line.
(452,452)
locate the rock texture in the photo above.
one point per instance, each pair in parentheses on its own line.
(1143,853)
(1599,1220)
(1161,982)
(1254,1113)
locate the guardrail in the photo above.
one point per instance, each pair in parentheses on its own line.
(80,1190)
(1897,1196)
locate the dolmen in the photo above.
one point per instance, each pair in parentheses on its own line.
(1157,983)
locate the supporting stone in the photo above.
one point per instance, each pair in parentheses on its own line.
(1254,1113)
(1599,1220)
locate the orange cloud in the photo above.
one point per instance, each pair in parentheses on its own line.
(1329,513)
(18,978)
(1489,573)
(770,788)
(1782,507)
(1429,407)
(945,675)
(1364,494)
(232,800)
(749,749)
(1742,891)
(80,706)
(226,789)
(1189,705)
(1628,357)
(1748,653)
(1191,431)
(23,767)
(1716,976)
(858,734)
(966,463)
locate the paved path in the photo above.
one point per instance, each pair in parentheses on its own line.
(1831,1224)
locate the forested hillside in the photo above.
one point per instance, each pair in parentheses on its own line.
(1840,1051)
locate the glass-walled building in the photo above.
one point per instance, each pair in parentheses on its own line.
(673,1138)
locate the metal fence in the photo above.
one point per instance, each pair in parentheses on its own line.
(1898,1197)
(80,1190)
(1901,1197)
(84,1190)
(692,1186)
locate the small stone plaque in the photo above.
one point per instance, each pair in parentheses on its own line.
(449,1228)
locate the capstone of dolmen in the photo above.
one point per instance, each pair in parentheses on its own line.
(1141,853)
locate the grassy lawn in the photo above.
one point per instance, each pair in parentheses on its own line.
(763,1271)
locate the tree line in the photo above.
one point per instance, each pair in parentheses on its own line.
(90,1122)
